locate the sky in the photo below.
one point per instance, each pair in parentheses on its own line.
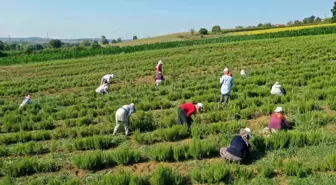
(70,19)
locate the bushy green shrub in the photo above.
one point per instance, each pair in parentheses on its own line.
(199,149)
(165,175)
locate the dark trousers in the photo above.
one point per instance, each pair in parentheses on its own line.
(183,118)
(224,98)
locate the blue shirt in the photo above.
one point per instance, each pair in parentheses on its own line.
(227,83)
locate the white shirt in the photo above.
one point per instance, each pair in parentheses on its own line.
(103,88)
(108,77)
(227,83)
(242,72)
(277,89)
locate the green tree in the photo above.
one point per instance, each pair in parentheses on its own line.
(135,37)
(297,22)
(114,41)
(260,25)
(333,11)
(318,19)
(290,23)
(95,45)
(239,27)
(268,25)
(85,43)
(55,43)
(216,29)
(104,41)
(119,40)
(2,46)
(203,31)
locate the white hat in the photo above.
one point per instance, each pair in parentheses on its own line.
(200,105)
(112,75)
(160,62)
(277,83)
(278,109)
(248,130)
(226,69)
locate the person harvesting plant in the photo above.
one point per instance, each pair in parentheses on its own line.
(103,88)
(186,110)
(106,79)
(159,79)
(122,116)
(226,85)
(239,148)
(26,101)
(277,122)
(277,89)
(159,66)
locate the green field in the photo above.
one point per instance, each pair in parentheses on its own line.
(65,136)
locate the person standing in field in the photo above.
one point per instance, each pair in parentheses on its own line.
(159,78)
(102,89)
(122,116)
(277,122)
(243,73)
(239,148)
(26,101)
(107,79)
(159,67)
(277,89)
(185,111)
(226,85)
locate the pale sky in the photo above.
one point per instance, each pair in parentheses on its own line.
(144,18)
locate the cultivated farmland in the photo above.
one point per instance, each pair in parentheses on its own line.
(65,135)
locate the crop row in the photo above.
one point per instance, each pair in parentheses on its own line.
(81,52)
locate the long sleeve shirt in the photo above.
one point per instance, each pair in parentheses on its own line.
(227,83)
(129,109)
(277,89)
(103,88)
(238,147)
(159,68)
(278,122)
(188,108)
(107,78)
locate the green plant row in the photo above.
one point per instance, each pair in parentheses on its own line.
(82,52)
(28,166)
(86,143)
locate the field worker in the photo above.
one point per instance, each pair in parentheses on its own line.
(185,111)
(106,79)
(159,78)
(227,82)
(26,101)
(277,89)
(277,122)
(243,73)
(103,88)
(239,148)
(159,66)
(122,115)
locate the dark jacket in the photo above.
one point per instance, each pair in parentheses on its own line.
(159,76)
(238,147)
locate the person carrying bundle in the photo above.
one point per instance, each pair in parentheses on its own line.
(26,101)
(159,78)
(185,111)
(226,84)
(102,89)
(107,79)
(277,89)
(122,116)
(277,122)
(239,148)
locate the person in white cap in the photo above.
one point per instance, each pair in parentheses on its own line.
(122,116)
(186,110)
(226,85)
(277,89)
(239,148)
(26,101)
(102,89)
(107,79)
(277,122)
(159,66)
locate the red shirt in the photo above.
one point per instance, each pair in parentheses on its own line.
(159,68)
(188,108)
